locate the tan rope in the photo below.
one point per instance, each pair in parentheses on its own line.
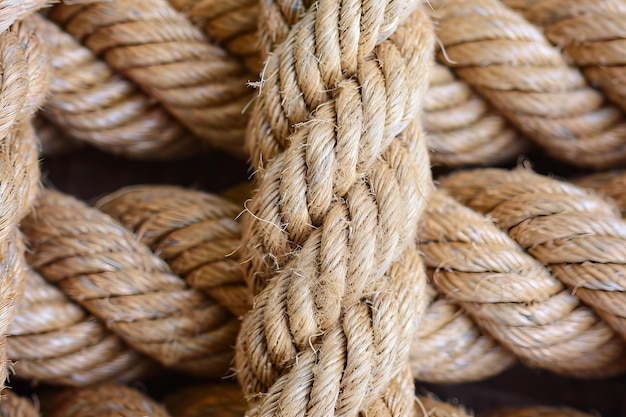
(102,400)
(230,23)
(12,405)
(153,45)
(511,295)
(581,237)
(16,10)
(52,340)
(591,33)
(462,129)
(529,81)
(91,103)
(195,232)
(334,228)
(98,264)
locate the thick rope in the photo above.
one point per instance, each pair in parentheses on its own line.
(91,103)
(610,184)
(462,129)
(232,24)
(53,340)
(16,10)
(511,295)
(591,33)
(99,264)
(508,61)
(195,232)
(159,49)
(581,237)
(339,197)
(102,400)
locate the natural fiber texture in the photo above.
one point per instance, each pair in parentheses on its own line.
(105,400)
(591,33)
(610,184)
(16,10)
(12,405)
(52,340)
(449,347)
(195,232)
(580,236)
(232,24)
(98,264)
(88,101)
(342,172)
(508,61)
(152,44)
(510,294)
(462,129)
(536,412)
(24,82)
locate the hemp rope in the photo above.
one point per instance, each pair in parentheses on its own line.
(24,81)
(12,405)
(98,264)
(103,400)
(299,344)
(53,340)
(579,236)
(17,10)
(195,232)
(230,23)
(591,33)
(89,102)
(529,81)
(508,293)
(158,48)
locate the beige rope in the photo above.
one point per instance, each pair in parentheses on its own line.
(12,405)
(195,232)
(328,287)
(610,184)
(98,264)
(573,231)
(53,340)
(509,62)
(16,10)
(156,47)
(230,23)
(102,400)
(91,103)
(591,33)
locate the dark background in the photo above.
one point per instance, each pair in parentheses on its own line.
(89,174)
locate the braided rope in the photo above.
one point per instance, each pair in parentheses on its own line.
(590,33)
(91,103)
(157,48)
(326,231)
(98,264)
(509,62)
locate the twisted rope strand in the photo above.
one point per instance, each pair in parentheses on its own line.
(98,264)
(195,232)
(509,62)
(52,340)
(590,33)
(610,184)
(91,103)
(581,237)
(156,47)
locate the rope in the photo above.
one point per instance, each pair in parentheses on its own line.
(88,101)
(157,48)
(529,81)
(571,230)
(610,184)
(53,340)
(326,231)
(590,33)
(99,265)
(12,405)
